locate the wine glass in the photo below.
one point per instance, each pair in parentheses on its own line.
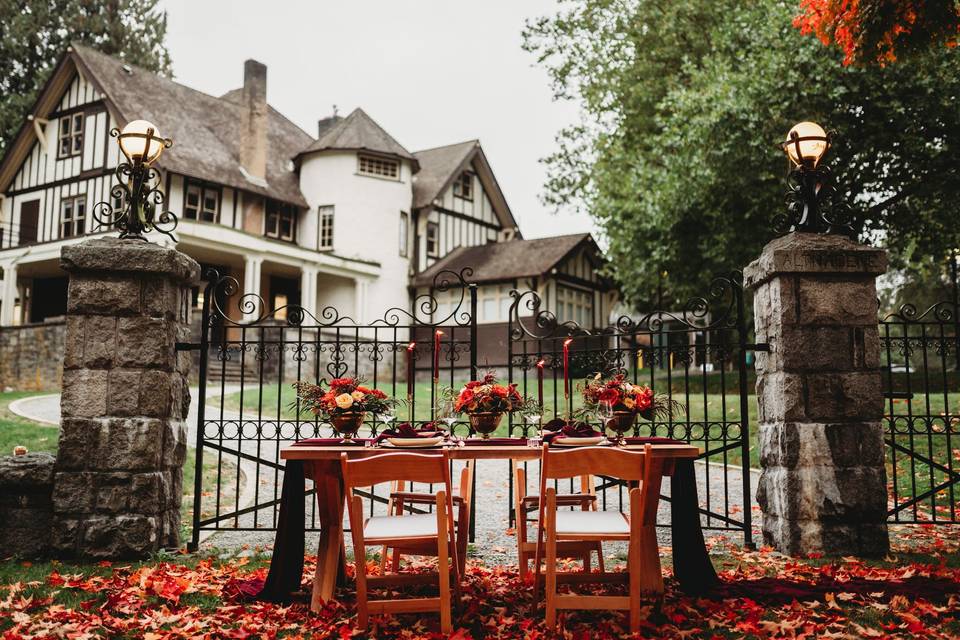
(448,415)
(605,414)
(387,417)
(533,419)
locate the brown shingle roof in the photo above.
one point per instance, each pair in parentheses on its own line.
(358,131)
(436,168)
(205,129)
(505,260)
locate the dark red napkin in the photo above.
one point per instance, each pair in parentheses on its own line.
(306,442)
(406,430)
(494,441)
(562,428)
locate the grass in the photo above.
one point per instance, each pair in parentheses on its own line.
(17,431)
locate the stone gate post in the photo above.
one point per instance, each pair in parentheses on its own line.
(118,473)
(823,486)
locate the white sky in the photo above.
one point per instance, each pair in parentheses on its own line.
(431,72)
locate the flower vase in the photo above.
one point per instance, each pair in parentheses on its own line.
(347,424)
(485,422)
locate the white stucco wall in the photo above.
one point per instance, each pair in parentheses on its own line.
(366,222)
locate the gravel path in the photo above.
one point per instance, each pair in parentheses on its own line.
(493,493)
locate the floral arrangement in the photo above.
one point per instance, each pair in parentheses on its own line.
(342,395)
(626,396)
(486,396)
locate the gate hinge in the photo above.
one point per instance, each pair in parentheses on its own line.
(186,346)
(759,346)
(898,395)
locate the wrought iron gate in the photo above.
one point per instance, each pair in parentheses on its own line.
(698,356)
(249,357)
(920,353)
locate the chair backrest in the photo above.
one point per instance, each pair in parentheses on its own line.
(413,467)
(603,461)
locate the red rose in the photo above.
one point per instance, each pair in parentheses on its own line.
(465,398)
(610,395)
(499,391)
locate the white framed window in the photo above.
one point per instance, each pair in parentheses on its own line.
(71,135)
(463,186)
(201,202)
(325,227)
(404,233)
(574,305)
(433,240)
(281,221)
(378,167)
(494,303)
(73,215)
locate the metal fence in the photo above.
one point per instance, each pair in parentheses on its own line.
(920,359)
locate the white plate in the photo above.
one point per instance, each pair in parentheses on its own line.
(415,442)
(563,440)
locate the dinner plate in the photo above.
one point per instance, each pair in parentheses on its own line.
(577,442)
(415,442)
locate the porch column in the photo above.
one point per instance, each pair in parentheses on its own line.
(251,283)
(308,289)
(823,488)
(9,294)
(360,300)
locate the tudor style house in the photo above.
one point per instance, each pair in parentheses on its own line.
(347,218)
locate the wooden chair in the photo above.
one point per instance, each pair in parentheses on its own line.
(390,530)
(401,499)
(638,528)
(524,504)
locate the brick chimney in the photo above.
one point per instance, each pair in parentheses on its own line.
(253,120)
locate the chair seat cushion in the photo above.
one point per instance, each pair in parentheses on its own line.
(399,527)
(591,523)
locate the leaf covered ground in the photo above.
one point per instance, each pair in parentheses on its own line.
(913,593)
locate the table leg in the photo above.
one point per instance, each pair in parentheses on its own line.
(330,552)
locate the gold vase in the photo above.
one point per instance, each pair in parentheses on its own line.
(621,422)
(485,423)
(347,424)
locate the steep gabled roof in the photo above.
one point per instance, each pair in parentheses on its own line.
(500,261)
(438,166)
(359,132)
(205,129)
(441,165)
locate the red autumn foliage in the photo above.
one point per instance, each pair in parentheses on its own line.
(878,31)
(767,596)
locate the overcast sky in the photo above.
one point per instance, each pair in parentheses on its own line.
(431,72)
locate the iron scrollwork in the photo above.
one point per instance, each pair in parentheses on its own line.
(141,201)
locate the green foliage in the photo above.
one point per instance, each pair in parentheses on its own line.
(35,33)
(682,106)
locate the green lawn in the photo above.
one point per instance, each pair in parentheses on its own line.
(16,431)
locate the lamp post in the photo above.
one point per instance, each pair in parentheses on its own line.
(138,188)
(811,205)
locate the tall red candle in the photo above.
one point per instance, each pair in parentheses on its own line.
(436,355)
(566,367)
(410,373)
(540,365)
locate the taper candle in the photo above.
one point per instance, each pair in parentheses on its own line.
(566,368)
(540,366)
(436,355)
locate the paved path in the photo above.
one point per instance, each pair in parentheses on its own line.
(261,483)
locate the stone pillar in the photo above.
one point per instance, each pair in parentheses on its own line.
(118,480)
(823,487)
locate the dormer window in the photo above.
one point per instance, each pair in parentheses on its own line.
(378,167)
(71,136)
(463,186)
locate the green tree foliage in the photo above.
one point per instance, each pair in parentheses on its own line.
(682,106)
(35,33)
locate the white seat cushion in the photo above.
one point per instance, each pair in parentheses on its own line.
(591,522)
(412,526)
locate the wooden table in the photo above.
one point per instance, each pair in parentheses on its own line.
(322,464)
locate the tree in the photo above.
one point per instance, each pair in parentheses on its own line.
(682,105)
(35,33)
(880,31)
